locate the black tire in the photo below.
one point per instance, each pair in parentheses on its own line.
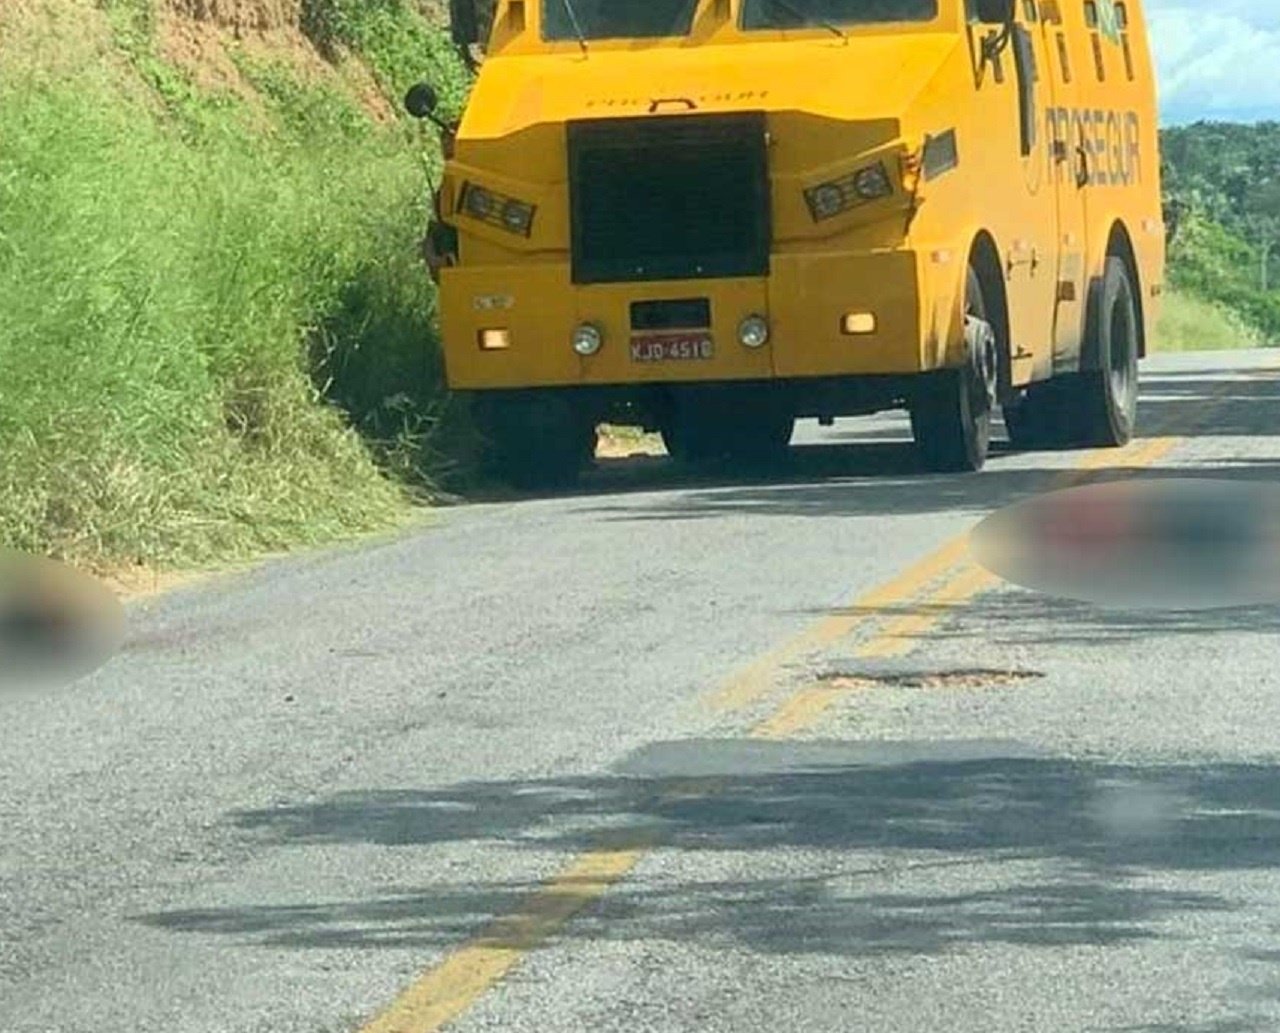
(707,432)
(1041,419)
(1095,408)
(1106,402)
(589,441)
(536,441)
(951,411)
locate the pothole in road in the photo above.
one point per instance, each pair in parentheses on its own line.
(968,678)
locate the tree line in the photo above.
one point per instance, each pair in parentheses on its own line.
(1222,207)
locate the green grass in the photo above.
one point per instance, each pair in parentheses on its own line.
(307,111)
(1208,261)
(394,38)
(215,341)
(1188,323)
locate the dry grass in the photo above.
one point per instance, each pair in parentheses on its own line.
(1191,324)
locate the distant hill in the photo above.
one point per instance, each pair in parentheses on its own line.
(1185,117)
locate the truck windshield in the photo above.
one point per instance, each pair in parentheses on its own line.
(616,19)
(791,14)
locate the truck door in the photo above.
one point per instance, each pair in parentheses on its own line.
(1067,166)
(1096,149)
(1032,253)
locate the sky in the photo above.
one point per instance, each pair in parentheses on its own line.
(1218,59)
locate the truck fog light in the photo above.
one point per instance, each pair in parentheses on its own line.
(587,339)
(494,340)
(858,323)
(753,332)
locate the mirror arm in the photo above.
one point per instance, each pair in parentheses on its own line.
(448,128)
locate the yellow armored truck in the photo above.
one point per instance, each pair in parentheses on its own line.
(713,217)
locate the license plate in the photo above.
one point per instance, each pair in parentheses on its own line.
(667,347)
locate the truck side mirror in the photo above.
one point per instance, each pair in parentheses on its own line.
(421,100)
(994,12)
(464,22)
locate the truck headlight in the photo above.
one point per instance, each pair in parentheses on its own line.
(869,183)
(587,339)
(509,213)
(753,332)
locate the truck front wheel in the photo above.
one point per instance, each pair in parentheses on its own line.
(735,429)
(951,411)
(535,440)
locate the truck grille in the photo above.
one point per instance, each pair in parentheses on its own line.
(669,198)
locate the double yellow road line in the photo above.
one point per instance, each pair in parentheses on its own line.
(964,581)
(946,577)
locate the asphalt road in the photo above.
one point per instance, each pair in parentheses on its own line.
(670,755)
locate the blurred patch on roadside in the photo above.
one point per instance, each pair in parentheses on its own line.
(56,624)
(1148,544)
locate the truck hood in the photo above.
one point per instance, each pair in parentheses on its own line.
(861,78)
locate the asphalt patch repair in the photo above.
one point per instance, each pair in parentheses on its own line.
(957,679)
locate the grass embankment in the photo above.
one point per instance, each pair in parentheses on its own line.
(204,295)
(1188,323)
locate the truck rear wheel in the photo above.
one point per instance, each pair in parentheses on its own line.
(1040,419)
(1106,399)
(951,412)
(536,440)
(1095,408)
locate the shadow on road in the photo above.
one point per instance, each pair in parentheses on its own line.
(918,848)
(891,849)
(874,470)
(1022,617)
(1250,405)
(889,495)
(1224,1026)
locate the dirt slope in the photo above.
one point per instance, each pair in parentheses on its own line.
(200,36)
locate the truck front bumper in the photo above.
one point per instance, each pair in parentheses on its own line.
(906,310)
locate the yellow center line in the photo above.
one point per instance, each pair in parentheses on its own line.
(899,635)
(445,991)
(754,681)
(902,633)
(798,711)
